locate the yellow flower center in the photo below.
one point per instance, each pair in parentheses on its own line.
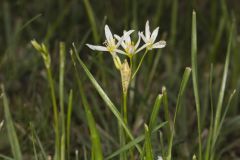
(130,49)
(111,46)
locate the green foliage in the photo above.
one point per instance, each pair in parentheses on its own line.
(74,103)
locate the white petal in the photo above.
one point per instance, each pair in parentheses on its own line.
(154,34)
(138,42)
(160,44)
(97,48)
(124,36)
(141,48)
(120,51)
(119,38)
(143,37)
(108,34)
(127,37)
(147,30)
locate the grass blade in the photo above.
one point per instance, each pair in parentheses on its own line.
(166,113)
(33,143)
(148,144)
(97,153)
(155,112)
(225,112)
(195,80)
(183,85)
(39,143)
(106,99)
(69,115)
(92,20)
(61,97)
(134,142)
(12,135)
(222,91)
(208,147)
(174,21)
(5,157)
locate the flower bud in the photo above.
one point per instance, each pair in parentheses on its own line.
(125,75)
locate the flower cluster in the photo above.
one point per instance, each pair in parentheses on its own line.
(129,48)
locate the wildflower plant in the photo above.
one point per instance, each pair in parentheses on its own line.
(124,45)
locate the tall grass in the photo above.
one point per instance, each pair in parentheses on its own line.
(85,102)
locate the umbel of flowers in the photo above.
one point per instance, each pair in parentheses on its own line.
(115,44)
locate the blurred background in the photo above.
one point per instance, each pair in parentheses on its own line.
(82,21)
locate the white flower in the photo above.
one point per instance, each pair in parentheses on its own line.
(128,45)
(159,158)
(149,38)
(110,44)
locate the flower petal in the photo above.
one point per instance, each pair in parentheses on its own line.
(138,42)
(119,38)
(120,51)
(97,48)
(154,34)
(147,30)
(143,37)
(108,34)
(160,44)
(124,36)
(127,37)
(141,48)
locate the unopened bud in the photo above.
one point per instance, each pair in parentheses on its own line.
(125,75)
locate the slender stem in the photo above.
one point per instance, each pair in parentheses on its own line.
(140,63)
(125,108)
(55,112)
(131,62)
(61,81)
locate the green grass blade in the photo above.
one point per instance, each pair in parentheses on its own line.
(62,147)
(69,115)
(106,99)
(12,135)
(148,144)
(39,143)
(155,111)
(61,97)
(42,49)
(95,139)
(222,90)
(33,143)
(217,40)
(195,80)
(92,20)
(5,157)
(174,21)
(209,139)
(225,112)
(166,113)
(133,143)
(96,149)
(183,85)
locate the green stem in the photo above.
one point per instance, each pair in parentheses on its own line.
(61,90)
(131,62)
(123,140)
(125,108)
(140,63)
(55,112)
